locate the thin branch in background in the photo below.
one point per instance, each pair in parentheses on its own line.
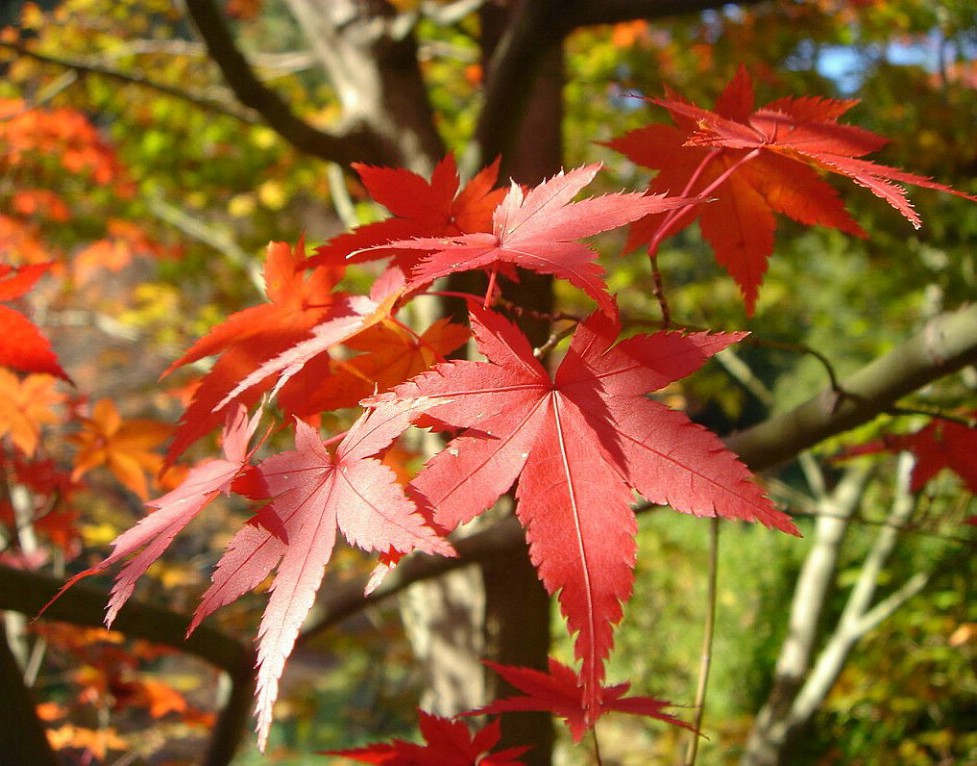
(87,66)
(709,631)
(936,414)
(448,14)
(338,191)
(741,372)
(800,348)
(289,62)
(208,235)
(944,345)
(751,382)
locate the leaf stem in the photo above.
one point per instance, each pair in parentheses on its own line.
(658,288)
(490,290)
(709,632)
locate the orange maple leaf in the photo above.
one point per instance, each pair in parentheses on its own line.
(248,339)
(390,354)
(125,447)
(26,406)
(97,742)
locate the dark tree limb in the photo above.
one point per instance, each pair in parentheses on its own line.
(536,27)
(344,146)
(28,592)
(364,51)
(22,736)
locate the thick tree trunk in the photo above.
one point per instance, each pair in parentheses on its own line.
(517,606)
(499,610)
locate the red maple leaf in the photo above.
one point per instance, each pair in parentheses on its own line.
(152,535)
(22,346)
(755,164)
(943,444)
(559,692)
(449,743)
(538,230)
(249,338)
(939,444)
(314,493)
(420,209)
(579,444)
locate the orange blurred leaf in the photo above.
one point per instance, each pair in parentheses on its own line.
(125,447)
(96,741)
(25,406)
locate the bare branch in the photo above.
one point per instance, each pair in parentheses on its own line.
(345,146)
(90,66)
(946,344)
(27,592)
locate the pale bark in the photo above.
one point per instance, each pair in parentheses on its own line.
(945,344)
(801,686)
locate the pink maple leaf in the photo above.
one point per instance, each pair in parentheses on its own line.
(539,230)
(314,494)
(579,444)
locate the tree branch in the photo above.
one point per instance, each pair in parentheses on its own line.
(946,344)
(27,593)
(352,143)
(128,78)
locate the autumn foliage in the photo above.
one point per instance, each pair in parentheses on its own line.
(576,430)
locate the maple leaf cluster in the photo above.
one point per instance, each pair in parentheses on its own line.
(578,443)
(752,163)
